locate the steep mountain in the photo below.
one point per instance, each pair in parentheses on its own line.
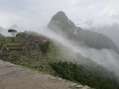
(60,22)
(65,27)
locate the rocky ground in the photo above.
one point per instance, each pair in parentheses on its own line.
(15,77)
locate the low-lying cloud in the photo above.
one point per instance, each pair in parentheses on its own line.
(105,57)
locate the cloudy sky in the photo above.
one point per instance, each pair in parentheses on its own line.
(35,13)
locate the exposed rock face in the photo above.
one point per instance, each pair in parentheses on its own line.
(65,27)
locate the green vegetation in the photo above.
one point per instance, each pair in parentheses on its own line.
(12,44)
(44,47)
(13,32)
(77,73)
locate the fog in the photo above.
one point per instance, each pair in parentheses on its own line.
(105,57)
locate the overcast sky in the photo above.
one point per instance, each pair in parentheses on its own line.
(35,13)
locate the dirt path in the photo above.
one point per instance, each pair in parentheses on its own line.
(15,77)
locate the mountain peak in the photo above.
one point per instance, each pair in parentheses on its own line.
(16,27)
(61,13)
(13,26)
(60,22)
(60,16)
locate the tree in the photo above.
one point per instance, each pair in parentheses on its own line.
(13,32)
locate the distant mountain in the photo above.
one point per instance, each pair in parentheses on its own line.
(1,29)
(16,27)
(4,31)
(1,35)
(62,25)
(110,31)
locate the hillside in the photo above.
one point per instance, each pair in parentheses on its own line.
(29,51)
(42,54)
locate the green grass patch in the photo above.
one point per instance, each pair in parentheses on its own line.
(12,44)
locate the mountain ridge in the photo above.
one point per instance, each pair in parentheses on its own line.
(110,31)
